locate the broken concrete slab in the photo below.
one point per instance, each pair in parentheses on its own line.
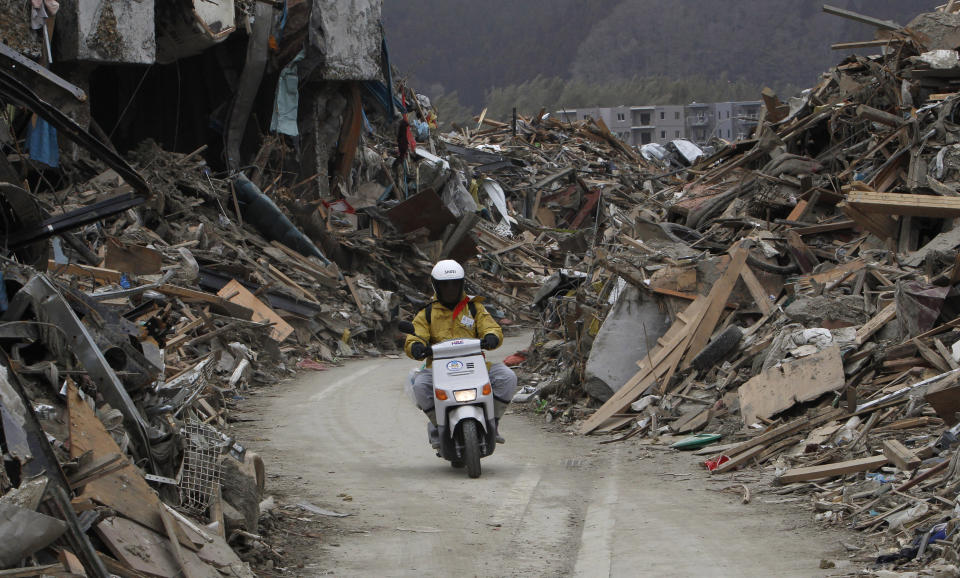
(23,532)
(347,39)
(631,328)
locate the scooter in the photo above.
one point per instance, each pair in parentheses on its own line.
(463,400)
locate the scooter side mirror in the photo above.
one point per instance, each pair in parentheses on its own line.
(406,327)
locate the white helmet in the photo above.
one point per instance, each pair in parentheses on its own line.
(447,280)
(447,270)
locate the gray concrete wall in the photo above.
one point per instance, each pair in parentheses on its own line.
(120,32)
(346,33)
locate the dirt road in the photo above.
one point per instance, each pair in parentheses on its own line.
(548,504)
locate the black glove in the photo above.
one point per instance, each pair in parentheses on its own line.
(419,351)
(489,341)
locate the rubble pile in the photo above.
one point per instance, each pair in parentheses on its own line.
(790,297)
(788,302)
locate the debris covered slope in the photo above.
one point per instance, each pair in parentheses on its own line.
(787,302)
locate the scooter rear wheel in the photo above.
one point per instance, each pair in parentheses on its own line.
(471,447)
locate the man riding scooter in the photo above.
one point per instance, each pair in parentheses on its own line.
(455,315)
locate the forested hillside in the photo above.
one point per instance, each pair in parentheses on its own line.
(486,52)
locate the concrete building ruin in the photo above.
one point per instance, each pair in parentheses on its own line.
(189,73)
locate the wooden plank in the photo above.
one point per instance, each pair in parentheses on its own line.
(261,311)
(876,323)
(124,491)
(780,388)
(680,294)
(716,301)
(585,211)
(863,18)
(884,227)
(293,285)
(178,555)
(825,228)
(864,44)
(833,275)
(33,571)
(933,206)
(71,563)
(785,430)
(757,291)
(191,295)
(944,352)
(740,460)
(932,356)
(98,273)
(830,470)
(798,211)
(801,253)
(901,456)
(132,258)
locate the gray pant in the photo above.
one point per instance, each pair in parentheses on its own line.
(502,379)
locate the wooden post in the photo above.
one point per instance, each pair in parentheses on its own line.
(463,228)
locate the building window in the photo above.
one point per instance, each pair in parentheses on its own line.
(676,115)
(728,133)
(663,134)
(620,116)
(728,114)
(676,133)
(718,115)
(646,137)
(644,118)
(662,115)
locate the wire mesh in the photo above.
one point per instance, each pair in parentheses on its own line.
(201,467)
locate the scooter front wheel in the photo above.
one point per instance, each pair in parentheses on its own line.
(471,447)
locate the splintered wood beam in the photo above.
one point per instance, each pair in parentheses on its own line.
(825,228)
(882,226)
(876,323)
(901,456)
(934,206)
(831,470)
(863,18)
(864,44)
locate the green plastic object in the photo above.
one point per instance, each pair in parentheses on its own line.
(696,441)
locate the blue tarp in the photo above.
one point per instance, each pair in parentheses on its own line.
(42,142)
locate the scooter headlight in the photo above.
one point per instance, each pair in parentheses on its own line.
(464,395)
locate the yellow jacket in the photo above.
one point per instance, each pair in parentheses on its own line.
(443,326)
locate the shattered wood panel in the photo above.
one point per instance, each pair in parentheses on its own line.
(779,388)
(148,552)
(237,293)
(124,490)
(345,38)
(134,259)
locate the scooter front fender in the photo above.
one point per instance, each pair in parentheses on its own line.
(462,412)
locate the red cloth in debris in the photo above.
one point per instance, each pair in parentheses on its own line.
(516,359)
